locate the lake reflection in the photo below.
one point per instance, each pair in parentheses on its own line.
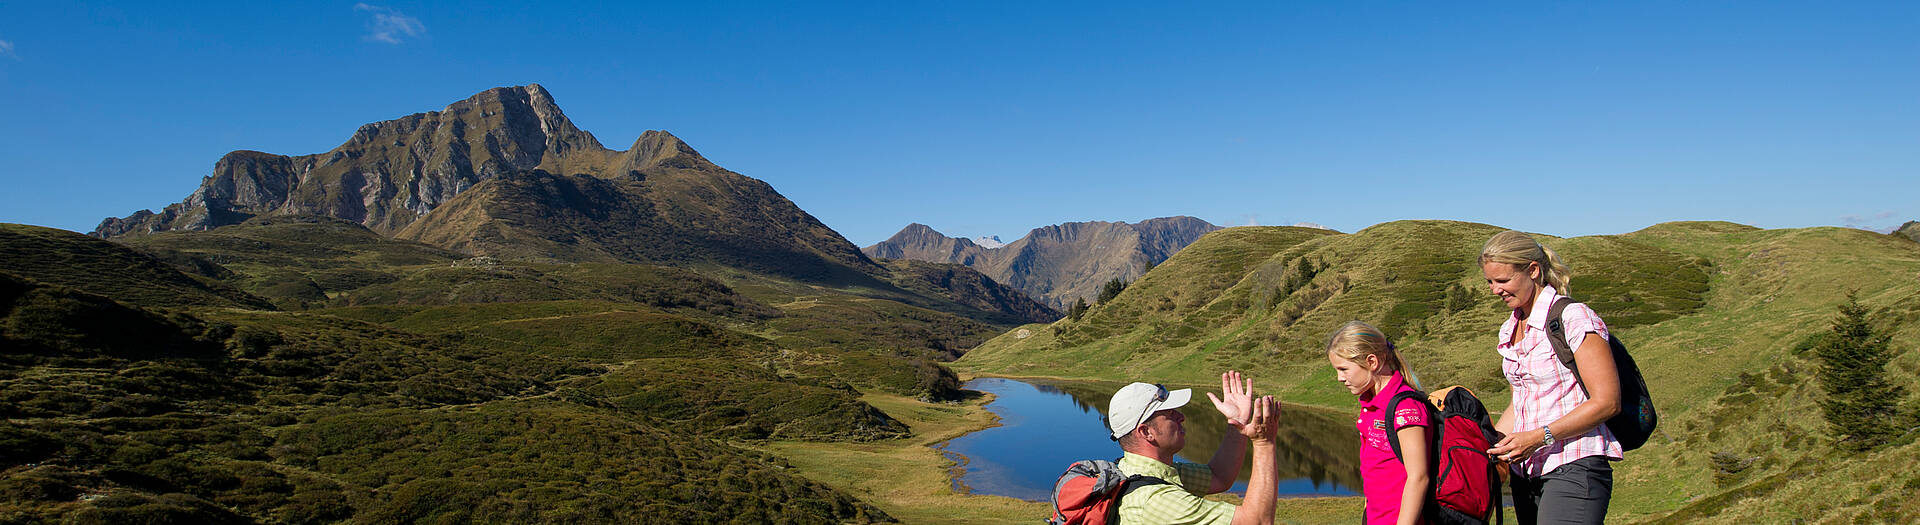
(1046,426)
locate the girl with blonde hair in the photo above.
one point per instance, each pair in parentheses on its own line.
(1366,362)
(1553,433)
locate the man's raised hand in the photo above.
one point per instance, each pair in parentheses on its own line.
(1263,425)
(1237,404)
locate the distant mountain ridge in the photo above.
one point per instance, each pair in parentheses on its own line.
(1054,264)
(387,173)
(505,173)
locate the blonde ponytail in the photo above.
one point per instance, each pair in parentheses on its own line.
(1400,363)
(1554,272)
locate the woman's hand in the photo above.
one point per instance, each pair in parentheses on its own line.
(1518,446)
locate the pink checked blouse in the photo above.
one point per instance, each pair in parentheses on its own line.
(1544,390)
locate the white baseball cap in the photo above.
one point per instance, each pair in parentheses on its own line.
(1134,403)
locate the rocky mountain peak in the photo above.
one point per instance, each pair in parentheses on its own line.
(497,130)
(1161,237)
(922,243)
(657,148)
(918,231)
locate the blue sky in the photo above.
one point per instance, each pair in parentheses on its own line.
(994,118)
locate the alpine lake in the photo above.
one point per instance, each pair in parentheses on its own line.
(1046,425)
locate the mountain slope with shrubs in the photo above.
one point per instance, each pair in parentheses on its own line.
(228,416)
(69,259)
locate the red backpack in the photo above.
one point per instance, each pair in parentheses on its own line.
(1089,492)
(1466,480)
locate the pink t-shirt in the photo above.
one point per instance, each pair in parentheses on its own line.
(1545,390)
(1383,477)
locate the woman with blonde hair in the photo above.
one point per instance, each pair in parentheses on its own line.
(1553,433)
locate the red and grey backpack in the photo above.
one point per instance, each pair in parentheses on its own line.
(1089,492)
(1466,480)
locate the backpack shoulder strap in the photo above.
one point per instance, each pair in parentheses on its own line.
(1557,335)
(1136,481)
(1127,487)
(1393,431)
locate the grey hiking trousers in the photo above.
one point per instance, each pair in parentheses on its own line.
(1572,494)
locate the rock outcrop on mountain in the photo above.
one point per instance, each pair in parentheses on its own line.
(1054,264)
(1910,230)
(656,215)
(504,173)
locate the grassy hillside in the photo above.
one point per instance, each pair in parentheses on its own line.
(1717,314)
(874,335)
(293,261)
(70,259)
(969,287)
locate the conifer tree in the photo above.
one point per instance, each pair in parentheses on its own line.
(1112,289)
(1078,309)
(1861,404)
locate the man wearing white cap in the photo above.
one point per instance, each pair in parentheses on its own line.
(1142,418)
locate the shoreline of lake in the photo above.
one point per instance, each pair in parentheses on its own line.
(1199,389)
(1317,467)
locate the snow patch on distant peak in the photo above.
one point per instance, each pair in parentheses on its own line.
(988,241)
